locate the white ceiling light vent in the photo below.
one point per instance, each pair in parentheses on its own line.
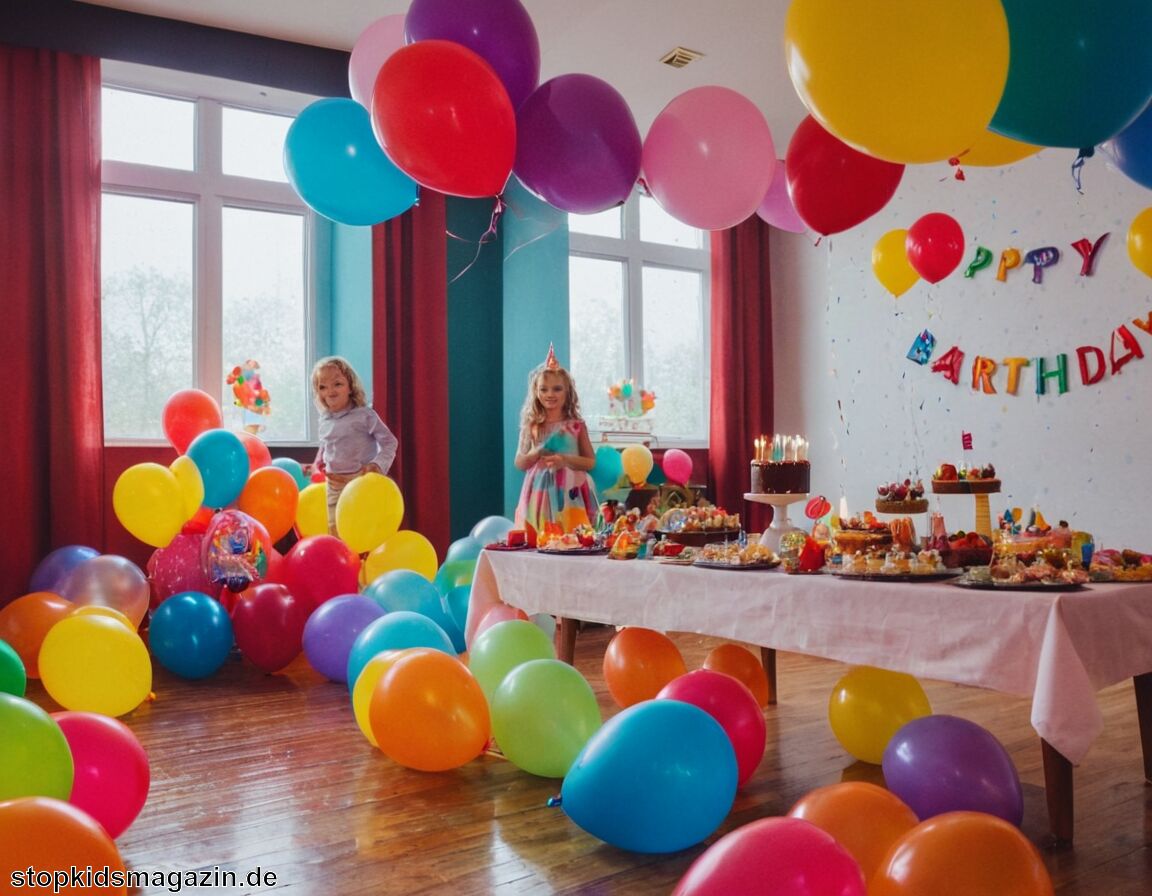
(678,57)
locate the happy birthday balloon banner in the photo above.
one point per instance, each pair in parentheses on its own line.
(1091,360)
(1044,257)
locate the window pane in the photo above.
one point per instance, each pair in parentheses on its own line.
(674,362)
(605,223)
(147,130)
(146,310)
(254,144)
(263,316)
(596,328)
(657,226)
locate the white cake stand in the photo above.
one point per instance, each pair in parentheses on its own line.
(780,521)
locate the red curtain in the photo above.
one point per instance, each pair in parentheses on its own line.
(410,359)
(50,338)
(742,406)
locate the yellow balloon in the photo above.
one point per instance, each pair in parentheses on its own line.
(404,550)
(191,483)
(902,80)
(890,263)
(92,663)
(869,705)
(369,512)
(1140,241)
(637,463)
(109,612)
(372,672)
(990,150)
(312,510)
(149,503)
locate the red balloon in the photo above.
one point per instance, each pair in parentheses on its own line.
(444,118)
(268,622)
(319,567)
(935,245)
(258,453)
(832,185)
(188,413)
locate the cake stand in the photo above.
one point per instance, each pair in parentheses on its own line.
(780,521)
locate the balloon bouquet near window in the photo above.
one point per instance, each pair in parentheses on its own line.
(250,395)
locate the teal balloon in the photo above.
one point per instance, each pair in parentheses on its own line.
(223,463)
(466,548)
(543,714)
(502,647)
(491,528)
(453,574)
(457,600)
(191,634)
(659,776)
(656,475)
(395,631)
(334,162)
(13,677)
(608,468)
(35,759)
(404,589)
(294,469)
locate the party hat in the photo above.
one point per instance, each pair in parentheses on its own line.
(550,363)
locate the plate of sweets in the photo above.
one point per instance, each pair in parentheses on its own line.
(897,566)
(674,553)
(732,555)
(581,540)
(1051,569)
(1111,565)
(699,525)
(513,540)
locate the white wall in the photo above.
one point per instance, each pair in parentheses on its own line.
(840,340)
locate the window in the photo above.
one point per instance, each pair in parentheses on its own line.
(638,309)
(206,250)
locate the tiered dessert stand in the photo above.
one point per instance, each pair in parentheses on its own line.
(780,521)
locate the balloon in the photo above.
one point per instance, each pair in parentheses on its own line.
(13,678)
(962,854)
(109,581)
(292,468)
(95,664)
(332,629)
(34,755)
(543,713)
(376,43)
(1131,149)
(709,158)
(319,567)
(899,82)
(106,612)
(395,631)
(608,468)
(403,550)
(365,685)
(456,602)
(258,453)
(405,589)
(982,259)
(191,634)
(369,512)
(428,713)
(832,185)
(496,614)
(234,550)
(781,856)
(943,763)
(578,147)
(191,484)
(1073,79)
(312,510)
(1140,242)
(865,819)
(638,663)
(453,574)
(149,502)
(935,246)
(504,646)
(268,622)
(177,568)
(776,207)
(112,773)
(444,118)
(270,497)
(333,161)
(188,413)
(890,263)
(657,777)
(992,150)
(223,463)
(499,31)
(25,622)
(491,528)
(467,548)
(636,461)
(677,466)
(867,707)
(744,666)
(54,569)
(52,836)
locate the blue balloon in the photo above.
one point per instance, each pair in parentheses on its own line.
(403,589)
(658,777)
(292,468)
(332,629)
(453,574)
(491,528)
(395,631)
(457,601)
(223,463)
(1131,149)
(334,162)
(190,634)
(51,572)
(608,469)
(466,548)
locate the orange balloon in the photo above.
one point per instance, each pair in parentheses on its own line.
(258,453)
(271,496)
(25,622)
(865,819)
(962,854)
(49,835)
(743,665)
(428,713)
(638,663)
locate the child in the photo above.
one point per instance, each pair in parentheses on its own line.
(555,452)
(353,438)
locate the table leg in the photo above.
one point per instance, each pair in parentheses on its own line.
(1142,684)
(768,658)
(566,639)
(1058,792)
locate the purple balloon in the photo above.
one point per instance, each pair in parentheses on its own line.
(331,630)
(499,31)
(776,207)
(943,763)
(578,147)
(51,573)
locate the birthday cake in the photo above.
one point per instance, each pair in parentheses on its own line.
(901,497)
(950,480)
(781,468)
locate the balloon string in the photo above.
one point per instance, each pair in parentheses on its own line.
(1078,166)
(486,237)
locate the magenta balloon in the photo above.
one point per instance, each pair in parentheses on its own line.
(499,31)
(776,208)
(177,568)
(375,44)
(577,147)
(709,158)
(935,246)
(677,465)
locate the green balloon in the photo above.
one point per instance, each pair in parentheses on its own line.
(13,678)
(543,714)
(504,646)
(35,759)
(453,574)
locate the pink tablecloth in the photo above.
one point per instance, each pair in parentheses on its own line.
(1059,648)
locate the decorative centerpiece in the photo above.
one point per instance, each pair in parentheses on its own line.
(629,409)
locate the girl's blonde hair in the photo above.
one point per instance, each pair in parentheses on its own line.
(532,414)
(356,395)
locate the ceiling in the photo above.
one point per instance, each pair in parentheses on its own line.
(620,41)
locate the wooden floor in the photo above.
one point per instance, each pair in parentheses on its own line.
(271,772)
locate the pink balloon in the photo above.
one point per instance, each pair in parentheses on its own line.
(677,465)
(709,158)
(498,613)
(935,246)
(776,208)
(177,568)
(729,701)
(375,44)
(319,567)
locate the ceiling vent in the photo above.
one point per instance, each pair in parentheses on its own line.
(679,57)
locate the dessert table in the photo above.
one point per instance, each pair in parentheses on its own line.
(1058,647)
